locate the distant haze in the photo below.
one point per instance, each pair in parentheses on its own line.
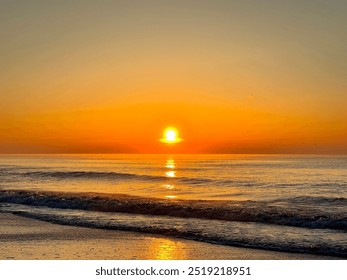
(232,76)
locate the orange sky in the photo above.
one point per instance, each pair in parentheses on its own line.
(109,76)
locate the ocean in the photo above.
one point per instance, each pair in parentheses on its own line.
(290,203)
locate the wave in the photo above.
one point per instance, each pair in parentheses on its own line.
(89,175)
(111,176)
(242,211)
(115,176)
(251,235)
(121,176)
(318,200)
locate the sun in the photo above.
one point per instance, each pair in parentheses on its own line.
(171,136)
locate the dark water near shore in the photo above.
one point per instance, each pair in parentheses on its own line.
(280,202)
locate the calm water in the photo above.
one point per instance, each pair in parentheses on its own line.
(285,203)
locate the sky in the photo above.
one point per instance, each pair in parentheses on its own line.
(231,76)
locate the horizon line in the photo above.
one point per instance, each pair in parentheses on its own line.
(53,153)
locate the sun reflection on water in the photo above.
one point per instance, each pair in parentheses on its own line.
(171,173)
(168,186)
(170,196)
(170,163)
(165,249)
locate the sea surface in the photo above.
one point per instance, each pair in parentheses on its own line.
(290,203)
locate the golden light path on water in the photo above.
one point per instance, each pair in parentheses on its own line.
(170,173)
(166,249)
(170,163)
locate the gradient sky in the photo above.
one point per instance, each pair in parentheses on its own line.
(232,76)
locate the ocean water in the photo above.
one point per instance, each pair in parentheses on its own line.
(276,202)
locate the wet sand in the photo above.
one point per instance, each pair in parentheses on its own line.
(24,238)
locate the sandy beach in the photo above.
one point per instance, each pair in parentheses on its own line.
(24,238)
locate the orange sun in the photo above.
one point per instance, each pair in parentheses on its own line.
(170,136)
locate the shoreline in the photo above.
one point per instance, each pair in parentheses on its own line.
(29,239)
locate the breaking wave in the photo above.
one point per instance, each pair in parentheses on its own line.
(267,212)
